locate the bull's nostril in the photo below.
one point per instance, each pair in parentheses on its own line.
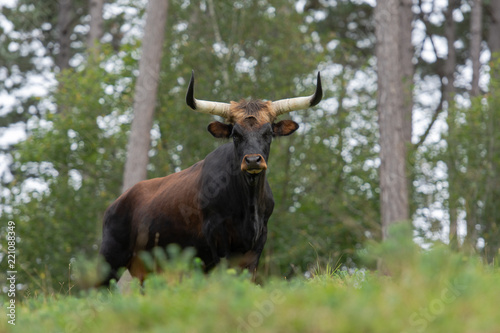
(253,159)
(253,164)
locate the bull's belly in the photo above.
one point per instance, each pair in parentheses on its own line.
(233,244)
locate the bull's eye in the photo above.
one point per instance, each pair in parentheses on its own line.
(267,135)
(237,137)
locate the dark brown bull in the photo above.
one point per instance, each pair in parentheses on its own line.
(219,206)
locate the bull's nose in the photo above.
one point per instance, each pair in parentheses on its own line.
(253,159)
(253,163)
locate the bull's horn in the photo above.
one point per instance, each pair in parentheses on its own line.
(298,103)
(215,108)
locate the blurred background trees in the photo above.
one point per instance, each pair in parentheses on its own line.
(67,88)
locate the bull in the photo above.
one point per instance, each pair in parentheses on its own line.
(219,206)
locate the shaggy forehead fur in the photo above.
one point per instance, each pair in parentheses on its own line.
(259,110)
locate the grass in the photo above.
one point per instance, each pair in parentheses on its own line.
(427,291)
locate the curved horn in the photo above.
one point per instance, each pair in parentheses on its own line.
(298,103)
(215,108)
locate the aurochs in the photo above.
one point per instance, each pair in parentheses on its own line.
(219,206)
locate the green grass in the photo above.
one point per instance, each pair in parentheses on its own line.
(427,291)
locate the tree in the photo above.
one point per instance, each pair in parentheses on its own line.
(36,42)
(66,20)
(407,67)
(494,27)
(96,28)
(73,163)
(475,43)
(145,93)
(64,173)
(467,149)
(393,180)
(450,64)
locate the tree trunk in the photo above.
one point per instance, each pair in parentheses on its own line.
(494,29)
(145,93)
(407,67)
(393,180)
(494,38)
(96,25)
(64,28)
(475,43)
(449,91)
(491,231)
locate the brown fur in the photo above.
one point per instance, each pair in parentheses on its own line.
(261,111)
(134,218)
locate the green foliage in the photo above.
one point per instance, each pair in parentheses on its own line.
(476,156)
(473,153)
(28,54)
(326,183)
(65,176)
(433,291)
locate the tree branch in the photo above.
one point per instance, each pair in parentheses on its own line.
(438,110)
(218,38)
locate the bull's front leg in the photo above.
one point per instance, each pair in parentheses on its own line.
(250,259)
(217,239)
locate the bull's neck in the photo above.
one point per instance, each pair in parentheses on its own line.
(253,196)
(256,183)
(253,185)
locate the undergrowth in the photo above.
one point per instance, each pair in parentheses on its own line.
(435,290)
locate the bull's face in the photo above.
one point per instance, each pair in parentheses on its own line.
(251,124)
(252,141)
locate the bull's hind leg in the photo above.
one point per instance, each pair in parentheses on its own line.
(137,268)
(117,254)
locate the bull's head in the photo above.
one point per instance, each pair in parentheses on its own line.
(251,124)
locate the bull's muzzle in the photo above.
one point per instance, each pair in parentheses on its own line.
(253,163)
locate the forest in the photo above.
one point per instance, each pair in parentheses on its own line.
(399,161)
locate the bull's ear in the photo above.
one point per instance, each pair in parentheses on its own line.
(220,130)
(285,127)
